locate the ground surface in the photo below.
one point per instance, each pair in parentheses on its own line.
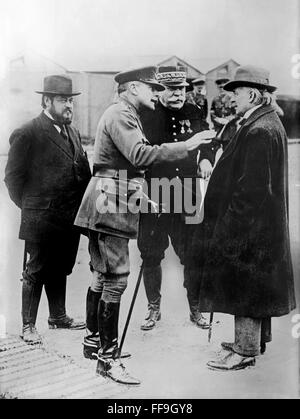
(171,359)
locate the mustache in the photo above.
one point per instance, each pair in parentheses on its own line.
(178,99)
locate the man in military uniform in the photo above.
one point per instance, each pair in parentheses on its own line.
(222,108)
(120,146)
(173,121)
(46,175)
(198,98)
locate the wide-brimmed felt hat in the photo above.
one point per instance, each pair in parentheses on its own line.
(171,76)
(199,80)
(250,76)
(144,74)
(60,85)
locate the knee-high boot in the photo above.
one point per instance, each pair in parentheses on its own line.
(192,285)
(108,363)
(56,293)
(31,295)
(91,342)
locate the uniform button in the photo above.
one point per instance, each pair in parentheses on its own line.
(175,139)
(174,133)
(177,170)
(173,118)
(174,126)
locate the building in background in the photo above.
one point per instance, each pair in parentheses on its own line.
(95,79)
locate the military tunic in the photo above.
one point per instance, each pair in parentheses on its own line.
(120,145)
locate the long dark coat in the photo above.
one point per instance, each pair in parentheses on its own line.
(46,177)
(245,259)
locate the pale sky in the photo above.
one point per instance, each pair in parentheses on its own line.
(262,32)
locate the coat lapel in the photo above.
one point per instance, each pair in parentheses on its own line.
(253,117)
(54,135)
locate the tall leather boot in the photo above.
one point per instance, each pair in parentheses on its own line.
(109,365)
(31,295)
(192,285)
(91,342)
(56,293)
(152,280)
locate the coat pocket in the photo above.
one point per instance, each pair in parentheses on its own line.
(36,202)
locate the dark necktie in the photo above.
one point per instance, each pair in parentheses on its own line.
(64,134)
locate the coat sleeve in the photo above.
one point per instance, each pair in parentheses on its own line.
(130,141)
(255,183)
(17,163)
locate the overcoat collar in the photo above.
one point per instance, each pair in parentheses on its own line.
(56,138)
(263,110)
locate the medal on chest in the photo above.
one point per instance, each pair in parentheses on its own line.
(185,126)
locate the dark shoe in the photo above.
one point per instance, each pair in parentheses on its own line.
(231,362)
(152,317)
(30,335)
(199,320)
(91,346)
(115,370)
(66,323)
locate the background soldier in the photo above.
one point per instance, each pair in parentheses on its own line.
(222,109)
(198,98)
(46,175)
(173,122)
(120,145)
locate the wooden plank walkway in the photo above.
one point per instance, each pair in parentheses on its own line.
(32,372)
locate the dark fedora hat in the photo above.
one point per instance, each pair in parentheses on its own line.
(250,76)
(58,85)
(171,76)
(144,74)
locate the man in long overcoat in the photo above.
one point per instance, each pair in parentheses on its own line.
(246,269)
(111,216)
(46,175)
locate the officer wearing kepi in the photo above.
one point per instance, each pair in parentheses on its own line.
(172,122)
(120,146)
(198,98)
(222,108)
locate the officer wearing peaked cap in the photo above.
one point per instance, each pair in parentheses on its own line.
(172,122)
(120,146)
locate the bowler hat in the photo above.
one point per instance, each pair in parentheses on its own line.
(144,74)
(58,85)
(250,76)
(172,76)
(199,80)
